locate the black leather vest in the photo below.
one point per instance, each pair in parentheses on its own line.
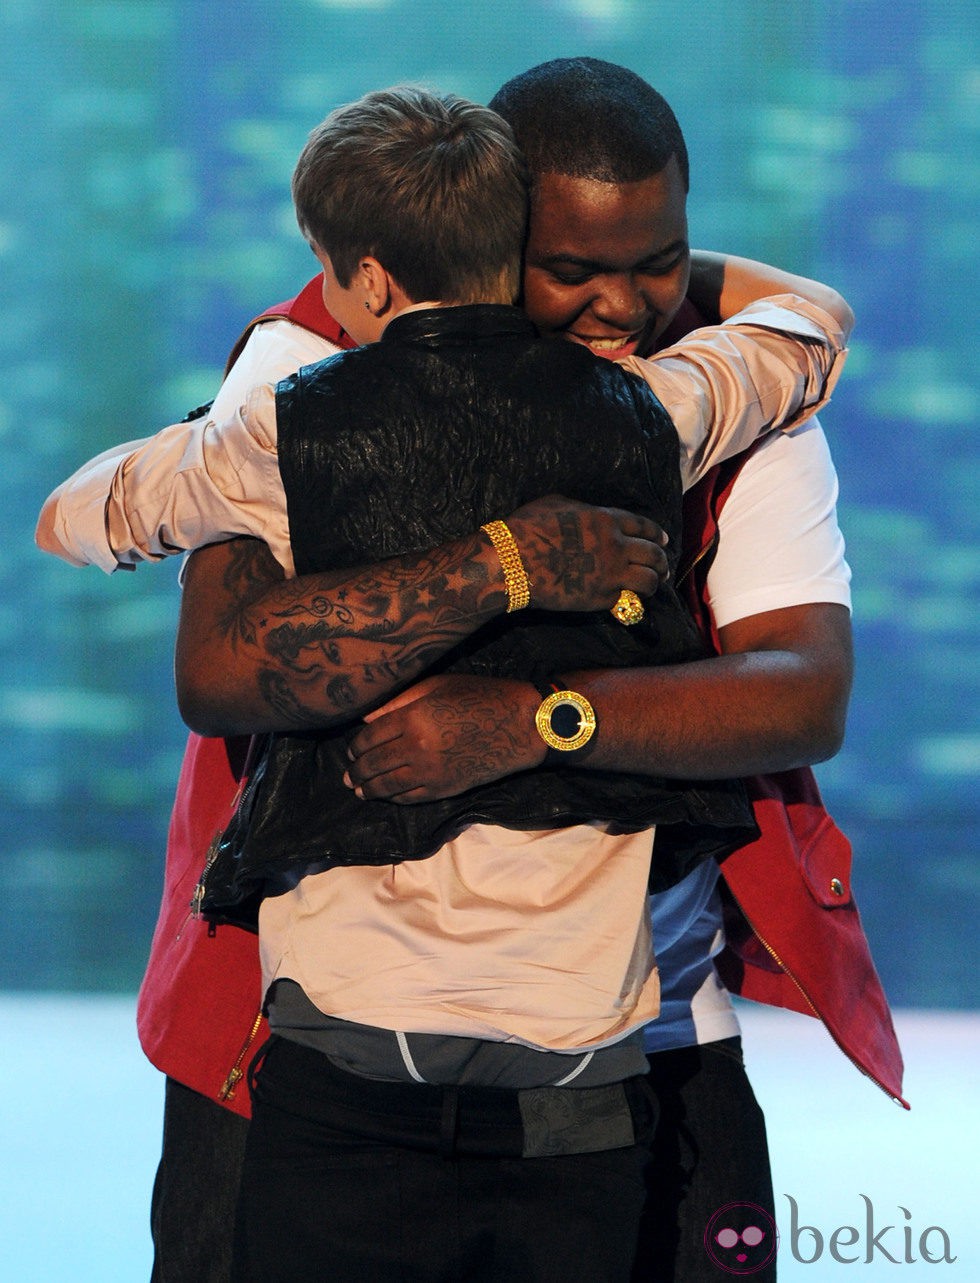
(456,417)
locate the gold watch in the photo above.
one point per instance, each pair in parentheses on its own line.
(565,720)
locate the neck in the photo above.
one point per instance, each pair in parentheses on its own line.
(430,303)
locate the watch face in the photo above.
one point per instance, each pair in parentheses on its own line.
(565,721)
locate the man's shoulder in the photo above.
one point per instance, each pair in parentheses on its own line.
(571,379)
(803,452)
(578,363)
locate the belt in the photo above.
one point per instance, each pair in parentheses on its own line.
(453,1121)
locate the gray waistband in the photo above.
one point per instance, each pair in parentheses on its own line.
(443,1059)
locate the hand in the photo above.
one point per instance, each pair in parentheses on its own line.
(443,736)
(579,557)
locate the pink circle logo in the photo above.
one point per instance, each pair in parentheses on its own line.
(741,1238)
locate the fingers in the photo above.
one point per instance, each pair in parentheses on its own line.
(463,732)
(635,526)
(639,545)
(542,515)
(377,748)
(374,734)
(647,567)
(380,771)
(381,766)
(403,698)
(629,552)
(397,785)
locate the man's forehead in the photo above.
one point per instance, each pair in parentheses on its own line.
(582,216)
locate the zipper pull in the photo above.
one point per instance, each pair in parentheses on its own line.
(198,897)
(228,1087)
(237,1073)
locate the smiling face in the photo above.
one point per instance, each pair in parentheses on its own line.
(607,264)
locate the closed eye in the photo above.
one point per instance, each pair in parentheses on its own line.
(660,266)
(571,278)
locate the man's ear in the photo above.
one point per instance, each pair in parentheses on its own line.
(376,284)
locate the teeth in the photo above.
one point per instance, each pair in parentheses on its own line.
(608,345)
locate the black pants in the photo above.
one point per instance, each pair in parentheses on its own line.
(196,1188)
(709,1151)
(372,1182)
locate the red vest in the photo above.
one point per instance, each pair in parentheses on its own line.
(795,936)
(793,931)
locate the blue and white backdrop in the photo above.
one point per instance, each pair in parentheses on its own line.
(145,215)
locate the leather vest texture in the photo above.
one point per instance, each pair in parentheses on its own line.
(456,417)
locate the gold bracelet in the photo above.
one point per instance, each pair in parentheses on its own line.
(515,576)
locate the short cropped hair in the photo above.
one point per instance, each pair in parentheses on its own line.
(591,119)
(431,185)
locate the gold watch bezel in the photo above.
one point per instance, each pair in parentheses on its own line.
(587,721)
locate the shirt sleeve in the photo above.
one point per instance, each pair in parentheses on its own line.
(196,482)
(779,543)
(770,366)
(72,524)
(201,482)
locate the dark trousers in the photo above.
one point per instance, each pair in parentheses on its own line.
(196,1188)
(373,1182)
(709,1150)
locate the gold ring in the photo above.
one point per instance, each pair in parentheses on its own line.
(628,608)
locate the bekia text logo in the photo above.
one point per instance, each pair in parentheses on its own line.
(872,1239)
(741,1238)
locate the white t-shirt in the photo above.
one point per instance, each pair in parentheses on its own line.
(779,545)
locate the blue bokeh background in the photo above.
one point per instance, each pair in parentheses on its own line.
(145,216)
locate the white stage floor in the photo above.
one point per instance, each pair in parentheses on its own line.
(80,1121)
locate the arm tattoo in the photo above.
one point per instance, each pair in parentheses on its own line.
(325,647)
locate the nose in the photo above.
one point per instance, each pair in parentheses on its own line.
(620,303)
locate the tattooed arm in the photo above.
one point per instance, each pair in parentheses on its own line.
(257,652)
(776,699)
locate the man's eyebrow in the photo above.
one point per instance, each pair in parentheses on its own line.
(679,246)
(571,260)
(595,264)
